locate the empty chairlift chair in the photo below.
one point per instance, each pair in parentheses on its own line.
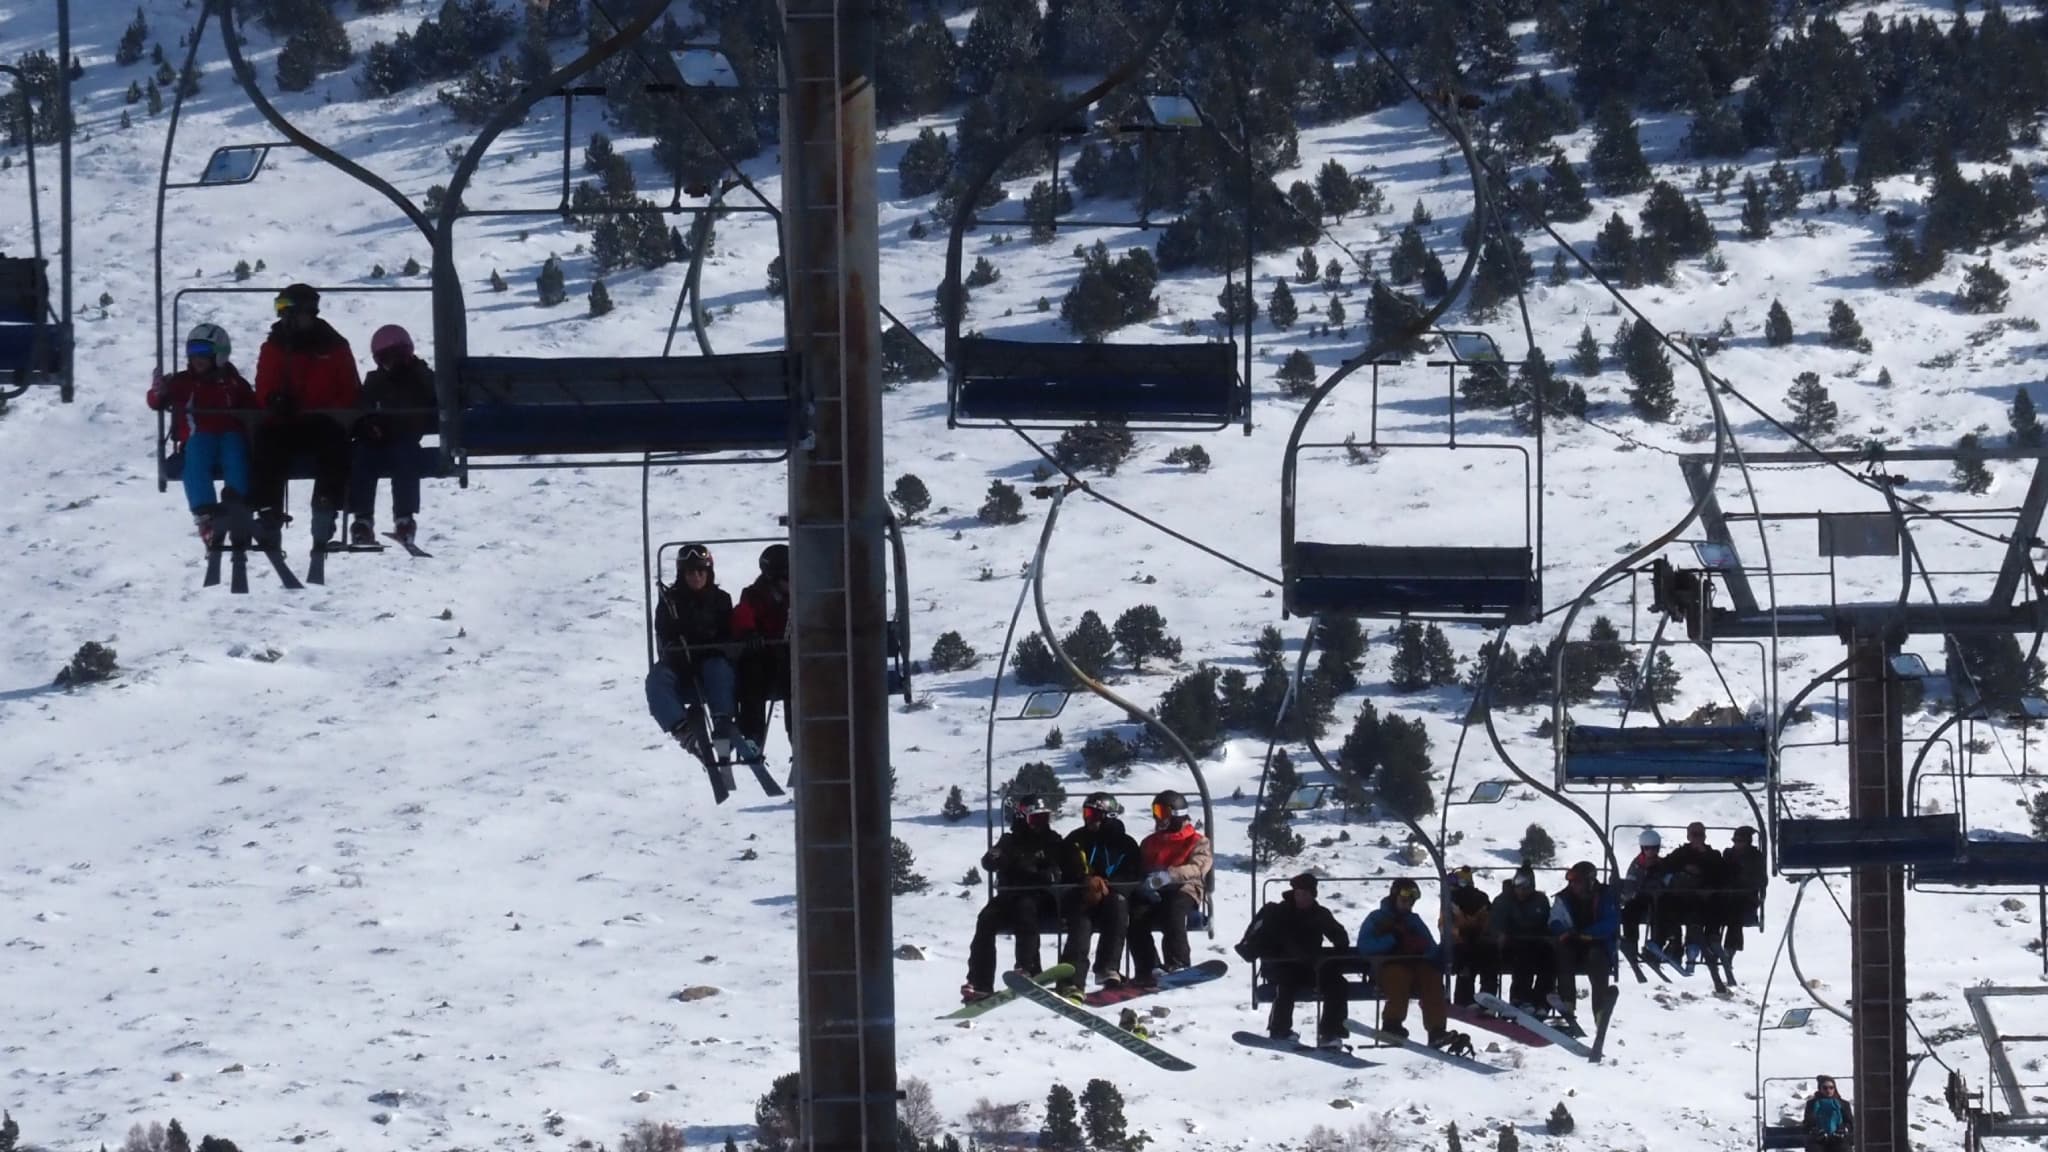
(1990,864)
(1820,845)
(1737,754)
(1043,384)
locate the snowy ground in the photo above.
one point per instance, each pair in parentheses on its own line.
(413,832)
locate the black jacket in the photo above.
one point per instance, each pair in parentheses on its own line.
(690,617)
(1744,868)
(1106,850)
(1696,868)
(1282,931)
(1027,857)
(406,390)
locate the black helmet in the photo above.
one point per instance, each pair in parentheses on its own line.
(1100,806)
(1030,809)
(297,297)
(1405,884)
(775,561)
(1169,805)
(694,558)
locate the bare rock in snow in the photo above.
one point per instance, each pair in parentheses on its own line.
(694,992)
(909,952)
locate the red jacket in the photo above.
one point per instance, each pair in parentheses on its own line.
(189,396)
(1183,854)
(315,368)
(760,613)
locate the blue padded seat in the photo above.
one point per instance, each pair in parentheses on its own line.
(1811,844)
(1041,383)
(1992,864)
(573,406)
(1737,753)
(1380,580)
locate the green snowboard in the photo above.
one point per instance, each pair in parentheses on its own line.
(1002,996)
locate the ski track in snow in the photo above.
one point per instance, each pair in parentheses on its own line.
(310,849)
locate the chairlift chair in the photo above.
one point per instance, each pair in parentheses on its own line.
(995,382)
(35,324)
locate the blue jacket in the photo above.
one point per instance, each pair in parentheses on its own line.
(1390,932)
(1601,921)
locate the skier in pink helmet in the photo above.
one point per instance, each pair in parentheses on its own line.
(398,408)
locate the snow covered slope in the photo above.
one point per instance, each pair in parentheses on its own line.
(413,833)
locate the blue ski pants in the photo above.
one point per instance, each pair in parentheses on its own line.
(672,694)
(210,455)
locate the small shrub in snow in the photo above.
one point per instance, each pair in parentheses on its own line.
(955,809)
(904,878)
(1538,849)
(92,663)
(1003,506)
(950,653)
(911,497)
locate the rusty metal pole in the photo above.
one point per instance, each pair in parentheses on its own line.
(838,701)
(1877,899)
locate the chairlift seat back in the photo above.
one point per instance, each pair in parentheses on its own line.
(570,406)
(1185,384)
(1382,581)
(1806,844)
(24,290)
(1991,864)
(1734,753)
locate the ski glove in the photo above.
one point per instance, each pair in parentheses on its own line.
(1158,880)
(283,403)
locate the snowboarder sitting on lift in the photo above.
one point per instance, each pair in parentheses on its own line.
(304,372)
(1288,937)
(762,620)
(695,612)
(1176,859)
(1474,941)
(1027,863)
(201,400)
(397,402)
(1829,1123)
(1746,874)
(1583,921)
(1412,966)
(1108,862)
(1522,914)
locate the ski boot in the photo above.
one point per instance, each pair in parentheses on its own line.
(1283,1035)
(1068,989)
(270,524)
(969,994)
(1334,1042)
(691,736)
(1395,1030)
(323,528)
(1130,1022)
(208,527)
(404,529)
(1109,979)
(362,533)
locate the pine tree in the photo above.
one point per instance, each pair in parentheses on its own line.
(955,809)
(1403,782)
(1844,330)
(1140,632)
(1395,318)
(155,96)
(1272,833)
(952,653)
(1813,414)
(904,878)
(1884,377)
(498,282)
(1269,649)
(1971,475)
(911,497)
(1560,270)
(1410,253)
(1433,282)
(2026,427)
(1091,645)
(1003,505)
(175,1139)
(1280,309)
(1617,155)
(553,287)
(1336,314)
(1614,252)
(1410,671)
(1509,1142)
(600,298)
(1297,375)
(1586,353)
(1308,269)
(1339,193)
(1102,1114)
(1537,848)
(132,39)
(1437,655)
(1756,210)
(1650,390)
(1452,1141)
(1564,195)
(1062,1131)
(1777,325)
(1984,290)
(1333,274)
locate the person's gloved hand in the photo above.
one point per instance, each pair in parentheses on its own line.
(282,403)
(1157,880)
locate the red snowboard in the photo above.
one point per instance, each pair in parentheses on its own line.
(1513,1030)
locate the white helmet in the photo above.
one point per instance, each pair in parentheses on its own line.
(1649,839)
(214,337)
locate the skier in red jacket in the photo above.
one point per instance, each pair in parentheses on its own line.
(201,400)
(761,619)
(305,375)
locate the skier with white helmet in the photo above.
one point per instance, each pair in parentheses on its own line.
(1639,887)
(202,400)
(398,406)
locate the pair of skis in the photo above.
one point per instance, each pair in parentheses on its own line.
(1569,1038)
(1027,988)
(237,542)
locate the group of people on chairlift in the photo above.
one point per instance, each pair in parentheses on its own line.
(308,399)
(1696,900)
(1100,884)
(716,706)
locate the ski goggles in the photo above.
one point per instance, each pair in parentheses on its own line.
(283,305)
(197,348)
(1162,812)
(1107,806)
